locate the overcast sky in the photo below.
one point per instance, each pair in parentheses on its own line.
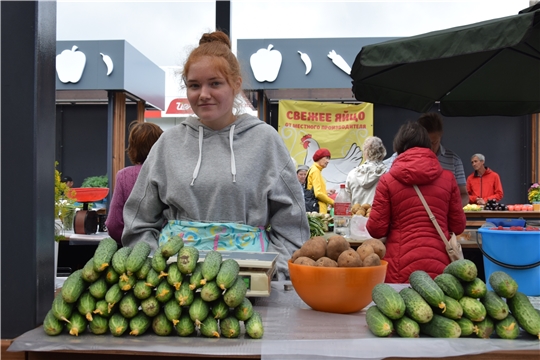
(165,31)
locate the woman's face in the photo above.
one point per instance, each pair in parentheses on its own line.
(324,161)
(301,174)
(209,94)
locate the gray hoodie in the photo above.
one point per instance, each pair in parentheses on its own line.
(240,174)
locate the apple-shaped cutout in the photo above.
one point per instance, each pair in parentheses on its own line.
(70,65)
(265,64)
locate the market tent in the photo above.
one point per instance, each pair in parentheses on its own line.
(487,68)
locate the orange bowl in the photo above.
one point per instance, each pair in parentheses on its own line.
(87,194)
(336,290)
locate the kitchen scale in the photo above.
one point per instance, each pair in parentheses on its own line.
(86,221)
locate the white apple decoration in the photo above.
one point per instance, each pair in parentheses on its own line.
(70,65)
(265,64)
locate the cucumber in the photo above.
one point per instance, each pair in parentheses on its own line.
(77,324)
(99,288)
(161,325)
(427,288)
(508,328)
(415,306)
(153,279)
(485,328)
(128,306)
(113,295)
(88,273)
(118,324)
(450,285)
(119,260)
(473,309)
(475,289)
(453,309)
(127,282)
(526,315)
(103,309)
(209,327)
(139,324)
(159,262)
(244,311)
(99,325)
(137,257)
(164,292)
(210,266)
(503,284)
(210,291)
(86,305)
(73,287)
(172,246)
(254,326)
(388,300)
(220,310)
(184,295)
(111,276)
(198,311)
(463,269)
(495,306)
(51,325)
(441,327)
(378,323)
(61,309)
(145,268)
(150,306)
(228,272)
(229,327)
(407,327)
(104,253)
(172,311)
(188,257)
(141,290)
(195,280)
(236,293)
(185,326)
(467,327)
(174,277)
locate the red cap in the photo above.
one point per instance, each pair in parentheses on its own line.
(319,154)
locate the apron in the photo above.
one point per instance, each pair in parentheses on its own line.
(216,236)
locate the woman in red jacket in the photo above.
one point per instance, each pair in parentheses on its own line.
(412,241)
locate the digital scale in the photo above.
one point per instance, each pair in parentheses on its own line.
(85,221)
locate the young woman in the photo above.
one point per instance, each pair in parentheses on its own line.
(222,180)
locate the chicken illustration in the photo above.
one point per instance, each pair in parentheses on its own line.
(338,168)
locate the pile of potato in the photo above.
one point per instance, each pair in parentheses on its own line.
(337,252)
(363,209)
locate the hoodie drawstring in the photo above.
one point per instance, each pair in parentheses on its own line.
(198,166)
(233,161)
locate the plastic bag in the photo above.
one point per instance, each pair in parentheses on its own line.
(358,228)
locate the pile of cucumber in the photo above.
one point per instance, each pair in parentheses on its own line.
(125,291)
(454,304)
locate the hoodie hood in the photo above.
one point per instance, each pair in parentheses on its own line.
(195,128)
(416,166)
(369,173)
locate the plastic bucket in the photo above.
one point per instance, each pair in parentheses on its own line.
(506,222)
(517,253)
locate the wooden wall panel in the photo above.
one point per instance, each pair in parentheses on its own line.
(119,135)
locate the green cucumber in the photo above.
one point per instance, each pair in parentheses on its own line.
(127,282)
(99,325)
(378,323)
(150,306)
(508,328)
(415,306)
(77,324)
(188,257)
(185,326)
(137,257)
(473,309)
(172,246)
(195,280)
(161,325)
(174,277)
(111,276)
(503,284)
(164,292)
(467,327)
(209,327)
(139,324)
(210,266)
(184,295)
(61,309)
(88,273)
(118,324)
(104,309)
(495,306)
(407,327)
(104,253)
(388,301)
(153,279)
(99,288)
(159,262)
(485,328)
(463,269)
(230,327)
(526,315)
(450,285)
(145,268)
(51,325)
(228,272)
(141,290)
(210,291)
(453,309)
(113,295)
(427,288)
(236,293)
(172,311)
(254,326)
(73,287)
(441,327)
(243,311)
(475,289)
(119,259)
(86,305)
(220,310)
(128,306)
(198,311)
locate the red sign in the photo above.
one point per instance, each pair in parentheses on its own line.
(179,106)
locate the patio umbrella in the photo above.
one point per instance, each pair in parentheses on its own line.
(487,68)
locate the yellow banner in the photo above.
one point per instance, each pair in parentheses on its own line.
(307,126)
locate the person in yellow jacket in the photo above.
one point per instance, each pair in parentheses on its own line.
(316,181)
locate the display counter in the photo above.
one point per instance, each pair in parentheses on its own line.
(292,330)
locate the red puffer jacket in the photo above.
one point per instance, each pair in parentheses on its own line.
(412,241)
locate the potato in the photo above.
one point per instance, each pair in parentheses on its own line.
(361,212)
(304,260)
(349,258)
(326,262)
(314,248)
(372,260)
(336,245)
(378,247)
(355,208)
(365,250)
(366,206)
(295,255)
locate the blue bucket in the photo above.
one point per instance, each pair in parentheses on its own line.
(517,253)
(506,222)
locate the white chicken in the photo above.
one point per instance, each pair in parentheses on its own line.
(338,168)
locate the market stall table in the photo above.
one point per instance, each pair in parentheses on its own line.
(292,330)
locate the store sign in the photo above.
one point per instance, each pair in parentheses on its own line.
(179,106)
